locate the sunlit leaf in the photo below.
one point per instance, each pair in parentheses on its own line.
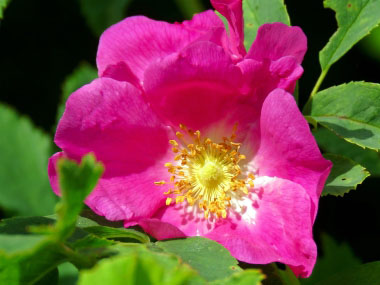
(352,111)
(259,12)
(139,266)
(246,277)
(209,258)
(330,142)
(24,153)
(345,175)
(356,18)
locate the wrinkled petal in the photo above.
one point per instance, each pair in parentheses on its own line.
(276,40)
(195,87)
(139,41)
(111,119)
(121,72)
(288,149)
(274,226)
(233,11)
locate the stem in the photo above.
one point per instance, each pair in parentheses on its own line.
(319,82)
(321,77)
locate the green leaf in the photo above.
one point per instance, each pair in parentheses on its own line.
(246,277)
(108,232)
(368,273)
(345,175)
(68,274)
(331,143)
(100,14)
(209,258)
(3,5)
(49,279)
(259,12)
(24,154)
(370,44)
(21,225)
(356,18)
(352,111)
(76,182)
(335,258)
(139,266)
(82,75)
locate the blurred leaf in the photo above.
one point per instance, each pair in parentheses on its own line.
(68,274)
(76,182)
(138,267)
(356,18)
(209,258)
(100,14)
(28,258)
(335,258)
(331,143)
(246,277)
(108,232)
(21,225)
(190,7)
(352,111)
(368,273)
(345,175)
(24,153)
(3,5)
(49,279)
(82,75)
(259,12)
(371,44)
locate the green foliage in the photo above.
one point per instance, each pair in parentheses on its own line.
(331,143)
(82,75)
(368,273)
(345,175)
(352,111)
(336,257)
(246,277)
(210,259)
(356,18)
(76,183)
(24,152)
(26,257)
(3,5)
(108,232)
(370,44)
(100,14)
(140,266)
(259,12)
(68,274)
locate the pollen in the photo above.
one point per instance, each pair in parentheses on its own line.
(205,174)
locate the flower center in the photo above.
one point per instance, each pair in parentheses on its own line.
(206,174)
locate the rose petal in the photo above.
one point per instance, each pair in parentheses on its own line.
(233,11)
(139,41)
(111,119)
(276,40)
(274,226)
(288,149)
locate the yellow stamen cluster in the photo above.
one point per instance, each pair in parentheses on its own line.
(205,173)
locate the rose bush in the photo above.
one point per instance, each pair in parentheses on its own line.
(200,137)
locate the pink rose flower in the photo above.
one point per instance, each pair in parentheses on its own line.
(199,137)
